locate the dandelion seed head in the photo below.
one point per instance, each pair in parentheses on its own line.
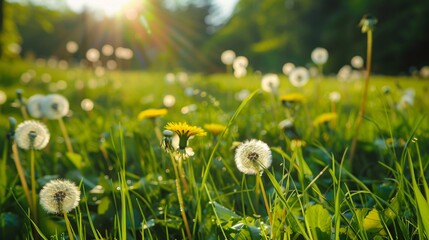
(334,96)
(54,106)
(3,97)
(72,47)
(87,105)
(92,55)
(59,196)
(253,156)
(270,82)
(31,134)
(357,62)
(319,56)
(169,101)
(287,68)
(34,106)
(240,62)
(344,73)
(299,77)
(227,57)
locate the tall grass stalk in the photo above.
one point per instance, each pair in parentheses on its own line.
(68,226)
(65,135)
(21,175)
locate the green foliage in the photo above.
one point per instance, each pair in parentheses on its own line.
(128,183)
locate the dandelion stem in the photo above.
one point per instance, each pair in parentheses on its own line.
(364,96)
(267,207)
(182,209)
(182,175)
(68,226)
(21,175)
(33,185)
(24,112)
(65,135)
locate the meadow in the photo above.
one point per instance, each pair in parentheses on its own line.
(133,185)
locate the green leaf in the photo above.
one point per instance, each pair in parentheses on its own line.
(422,207)
(224,213)
(319,220)
(75,158)
(372,222)
(103,206)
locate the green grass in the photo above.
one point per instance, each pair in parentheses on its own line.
(128,183)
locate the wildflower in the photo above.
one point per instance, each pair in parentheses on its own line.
(297,143)
(292,98)
(227,57)
(240,62)
(319,56)
(240,72)
(253,156)
(87,105)
(184,131)
(54,106)
(287,68)
(270,82)
(344,73)
(367,23)
(357,62)
(334,96)
(214,128)
(324,118)
(299,77)
(34,106)
(59,196)
(31,134)
(152,113)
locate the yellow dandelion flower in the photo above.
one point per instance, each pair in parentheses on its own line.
(293,97)
(215,128)
(324,118)
(152,113)
(184,131)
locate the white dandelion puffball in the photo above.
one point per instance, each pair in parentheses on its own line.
(424,72)
(299,77)
(107,50)
(59,196)
(270,82)
(242,94)
(334,96)
(72,46)
(344,73)
(170,78)
(31,134)
(169,101)
(111,64)
(34,105)
(92,55)
(227,57)
(240,62)
(3,97)
(357,62)
(55,106)
(319,56)
(287,68)
(240,72)
(253,156)
(87,105)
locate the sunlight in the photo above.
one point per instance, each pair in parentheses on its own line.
(106,7)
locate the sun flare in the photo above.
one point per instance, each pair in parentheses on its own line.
(107,7)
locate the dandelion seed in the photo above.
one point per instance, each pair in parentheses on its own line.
(152,113)
(31,135)
(253,156)
(59,196)
(55,106)
(299,77)
(319,56)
